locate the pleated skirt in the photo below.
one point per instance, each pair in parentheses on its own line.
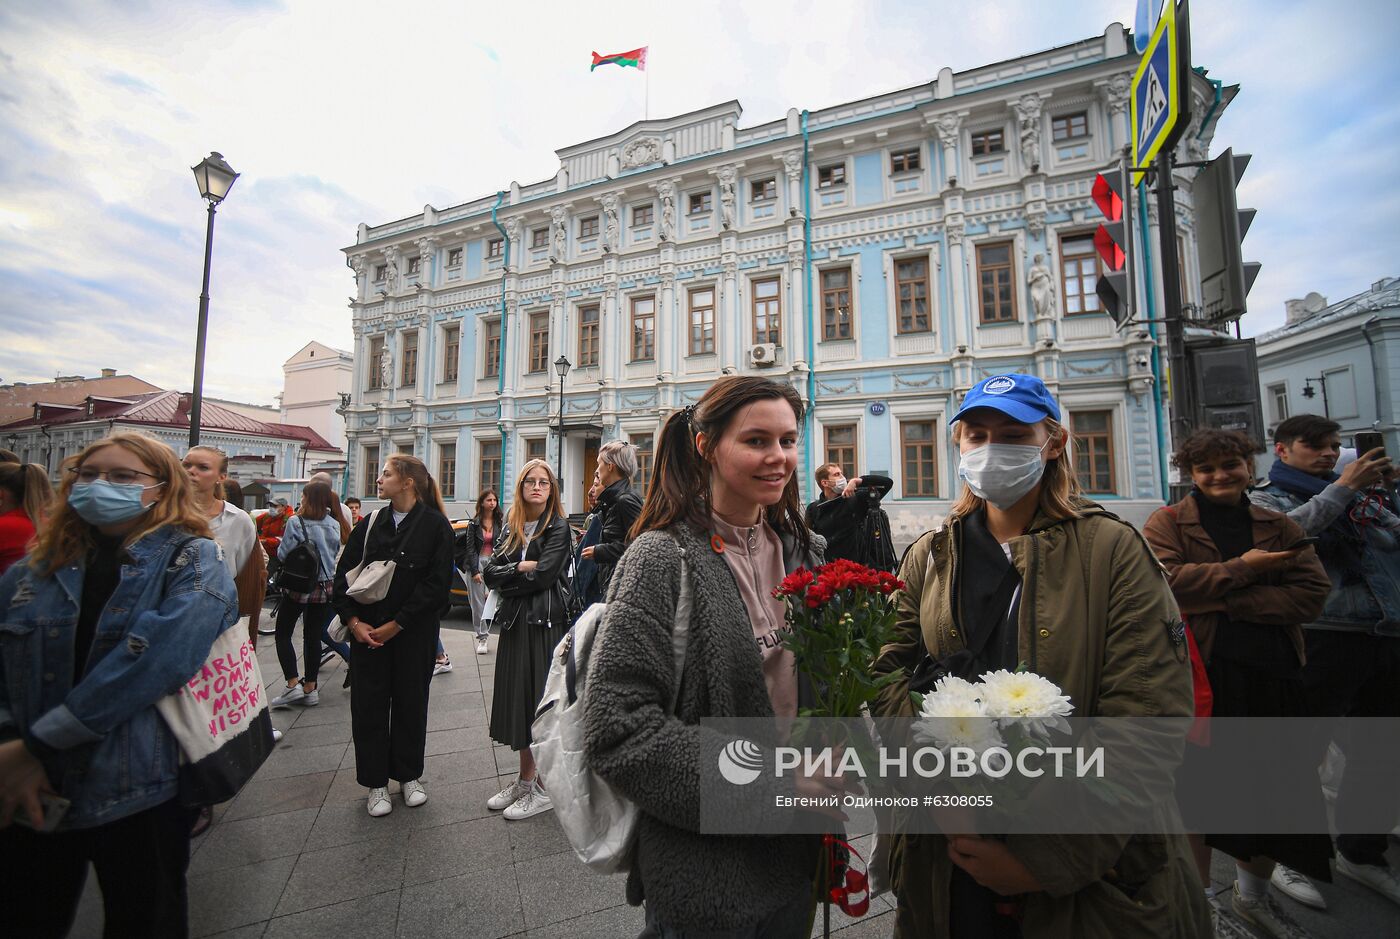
(523,656)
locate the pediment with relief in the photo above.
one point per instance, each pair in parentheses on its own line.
(641,152)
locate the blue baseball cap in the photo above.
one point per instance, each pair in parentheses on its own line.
(1023,398)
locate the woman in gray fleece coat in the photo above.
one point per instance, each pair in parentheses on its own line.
(725,497)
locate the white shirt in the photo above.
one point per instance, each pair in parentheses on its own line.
(236,535)
(398,517)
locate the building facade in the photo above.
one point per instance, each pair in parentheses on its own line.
(54,432)
(313,381)
(1347,354)
(882,256)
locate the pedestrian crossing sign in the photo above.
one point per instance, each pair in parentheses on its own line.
(1156,99)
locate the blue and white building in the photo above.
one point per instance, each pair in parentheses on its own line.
(1341,360)
(881,255)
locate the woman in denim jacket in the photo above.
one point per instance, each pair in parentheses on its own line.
(116,607)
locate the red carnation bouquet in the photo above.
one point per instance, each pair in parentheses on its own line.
(841,615)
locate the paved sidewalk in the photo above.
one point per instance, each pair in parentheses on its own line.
(296,855)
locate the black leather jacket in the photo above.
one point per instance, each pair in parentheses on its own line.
(619,507)
(536,598)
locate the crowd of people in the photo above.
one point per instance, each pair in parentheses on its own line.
(119,583)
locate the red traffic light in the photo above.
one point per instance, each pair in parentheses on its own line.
(1109,247)
(1108,197)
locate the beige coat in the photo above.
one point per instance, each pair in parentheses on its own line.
(1098,619)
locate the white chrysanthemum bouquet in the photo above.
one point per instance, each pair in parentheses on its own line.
(1004,711)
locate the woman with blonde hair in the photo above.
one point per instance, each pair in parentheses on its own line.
(526,571)
(119,604)
(232,528)
(1046,579)
(394,637)
(25,494)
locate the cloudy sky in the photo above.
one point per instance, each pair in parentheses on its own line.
(348,111)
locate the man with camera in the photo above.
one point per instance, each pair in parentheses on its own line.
(849,516)
(1353,649)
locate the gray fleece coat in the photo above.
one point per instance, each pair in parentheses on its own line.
(689,879)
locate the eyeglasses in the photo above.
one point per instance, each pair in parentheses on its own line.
(119,477)
(534,484)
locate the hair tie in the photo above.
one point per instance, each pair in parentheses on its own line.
(688,412)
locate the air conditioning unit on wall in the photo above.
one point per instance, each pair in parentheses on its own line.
(763,354)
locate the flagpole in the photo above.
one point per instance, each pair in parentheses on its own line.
(646,105)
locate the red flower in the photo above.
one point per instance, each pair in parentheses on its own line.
(795,583)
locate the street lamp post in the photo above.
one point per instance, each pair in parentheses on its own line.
(1308,392)
(562,366)
(214,178)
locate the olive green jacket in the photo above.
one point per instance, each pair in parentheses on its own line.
(1098,619)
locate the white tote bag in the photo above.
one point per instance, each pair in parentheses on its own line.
(221,721)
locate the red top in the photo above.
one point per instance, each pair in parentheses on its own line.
(16,531)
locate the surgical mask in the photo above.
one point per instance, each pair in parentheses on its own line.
(1002,473)
(103,503)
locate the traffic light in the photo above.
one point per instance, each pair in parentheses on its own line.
(1220,227)
(1113,241)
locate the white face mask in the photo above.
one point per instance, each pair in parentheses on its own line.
(1002,473)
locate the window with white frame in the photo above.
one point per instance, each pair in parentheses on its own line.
(1092,433)
(1278,403)
(917,449)
(911,288)
(447,470)
(836,303)
(454,257)
(451,352)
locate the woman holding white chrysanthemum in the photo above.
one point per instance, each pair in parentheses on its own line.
(1047,580)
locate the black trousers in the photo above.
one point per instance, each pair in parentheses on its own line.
(140,862)
(1356,675)
(313,618)
(389,705)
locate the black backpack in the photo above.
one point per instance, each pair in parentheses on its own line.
(301,568)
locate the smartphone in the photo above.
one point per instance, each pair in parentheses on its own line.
(55,807)
(1303,543)
(1368,440)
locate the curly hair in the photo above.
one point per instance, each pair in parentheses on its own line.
(1211,445)
(67,537)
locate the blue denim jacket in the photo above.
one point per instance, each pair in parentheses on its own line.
(1365,597)
(324,533)
(117,756)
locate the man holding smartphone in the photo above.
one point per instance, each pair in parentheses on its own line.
(1353,649)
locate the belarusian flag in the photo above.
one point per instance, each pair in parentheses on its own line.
(637,58)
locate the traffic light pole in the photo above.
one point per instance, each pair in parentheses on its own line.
(1181,410)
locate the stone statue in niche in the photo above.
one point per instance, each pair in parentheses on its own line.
(386,367)
(1028,112)
(726,196)
(610,223)
(668,211)
(391,275)
(561,235)
(1042,284)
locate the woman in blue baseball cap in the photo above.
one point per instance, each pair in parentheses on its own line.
(1048,581)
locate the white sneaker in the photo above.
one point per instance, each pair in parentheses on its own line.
(1293,884)
(276,735)
(533,802)
(379,804)
(312,698)
(1379,877)
(267,630)
(414,794)
(507,796)
(1265,915)
(483,645)
(287,698)
(440,667)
